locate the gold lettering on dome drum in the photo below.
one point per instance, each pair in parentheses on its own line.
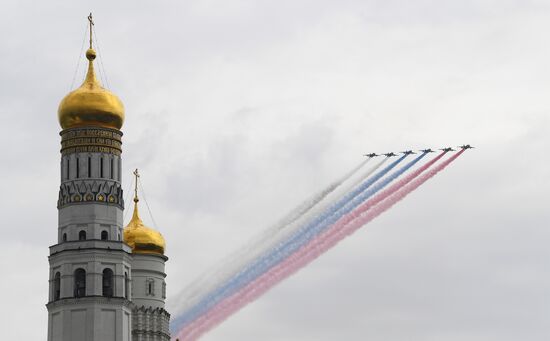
(90,140)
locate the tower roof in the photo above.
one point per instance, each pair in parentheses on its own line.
(91,104)
(140,238)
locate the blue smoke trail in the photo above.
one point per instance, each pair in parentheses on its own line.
(298,239)
(262,243)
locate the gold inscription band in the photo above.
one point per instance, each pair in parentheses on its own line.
(90,140)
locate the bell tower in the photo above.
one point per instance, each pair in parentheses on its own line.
(97,265)
(90,266)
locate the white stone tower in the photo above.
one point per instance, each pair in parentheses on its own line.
(150,321)
(106,283)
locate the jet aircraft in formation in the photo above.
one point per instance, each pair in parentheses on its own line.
(465,146)
(428,150)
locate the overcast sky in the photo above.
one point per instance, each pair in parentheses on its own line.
(238,110)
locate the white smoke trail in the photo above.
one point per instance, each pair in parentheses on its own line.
(224,270)
(344,227)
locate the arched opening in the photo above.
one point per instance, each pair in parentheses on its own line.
(150,287)
(77,169)
(79,283)
(111,171)
(57,286)
(126,285)
(82,235)
(108,282)
(104,235)
(64,237)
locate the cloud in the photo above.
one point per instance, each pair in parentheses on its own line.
(237,111)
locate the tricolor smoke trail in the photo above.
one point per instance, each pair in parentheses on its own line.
(296,240)
(344,227)
(266,240)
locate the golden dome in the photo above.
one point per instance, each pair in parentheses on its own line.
(91,104)
(141,238)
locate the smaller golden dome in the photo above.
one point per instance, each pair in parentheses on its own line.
(141,238)
(91,104)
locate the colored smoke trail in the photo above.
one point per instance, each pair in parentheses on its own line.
(378,205)
(307,205)
(195,292)
(299,238)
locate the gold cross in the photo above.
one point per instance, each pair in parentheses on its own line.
(90,19)
(136,173)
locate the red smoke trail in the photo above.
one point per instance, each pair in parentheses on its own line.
(341,229)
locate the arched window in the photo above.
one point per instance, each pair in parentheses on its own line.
(82,235)
(104,235)
(126,285)
(150,287)
(108,282)
(119,236)
(111,172)
(77,169)
(64,237)
(79,283)
(57,286)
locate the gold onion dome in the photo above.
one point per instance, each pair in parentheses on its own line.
(91,104)
(141,238)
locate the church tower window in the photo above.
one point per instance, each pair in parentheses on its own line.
(108,282)
(77,168)
(111,172)
(150,287)
(82,235)
(104,235)
(64,237)
(126,286)
(79,283)
(57,286)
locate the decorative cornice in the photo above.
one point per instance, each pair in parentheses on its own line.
(144,309)
(115,301)
(90,245)
(90,191)
(91,140)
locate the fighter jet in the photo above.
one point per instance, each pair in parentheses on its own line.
(466,146)
(429,150)
(372,155)
(408,152)
(390,154)
(448,149)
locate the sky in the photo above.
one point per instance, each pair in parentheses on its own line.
(238,110)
